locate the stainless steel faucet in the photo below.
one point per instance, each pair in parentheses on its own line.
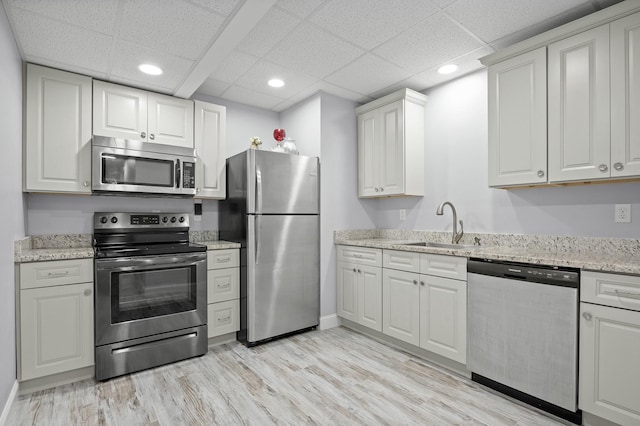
(456,235)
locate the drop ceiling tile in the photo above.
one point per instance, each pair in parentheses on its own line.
(223,7)
(275,25)
(234,66)
(300,8)
(173,26)
(134,83)
(368,23)
(427,44)
(66,44)
(258,76)
(212,87)
(328,88)
(128,56)
(96,16)
(466,64)
(442,3)
(311,50)
(367,74)
(250,97)
(493,19)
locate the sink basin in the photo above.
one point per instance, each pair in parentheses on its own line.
(443,245)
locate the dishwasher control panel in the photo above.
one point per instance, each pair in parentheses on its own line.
(544,274)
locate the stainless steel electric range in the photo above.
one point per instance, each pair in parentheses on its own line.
(150,292)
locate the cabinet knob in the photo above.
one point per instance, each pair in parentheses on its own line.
(587,316)
(381,189)
(152,136)
(85,183)
(421,282)
(197,189)
(377,190)
(143,135)
(540,173)
(603,168)
(87,292)
(618,166)
(415,281)
(359,271)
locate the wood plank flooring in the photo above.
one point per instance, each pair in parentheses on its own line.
(332,377)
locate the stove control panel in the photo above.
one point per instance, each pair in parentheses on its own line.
(140,220)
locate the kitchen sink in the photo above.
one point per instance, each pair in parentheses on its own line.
(443,245)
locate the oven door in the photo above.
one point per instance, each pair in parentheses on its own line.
(146,295)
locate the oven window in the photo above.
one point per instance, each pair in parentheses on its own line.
(146,294)
(125,170)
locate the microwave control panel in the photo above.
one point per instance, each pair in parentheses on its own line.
(188,175)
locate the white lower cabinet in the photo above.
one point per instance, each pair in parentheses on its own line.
(610,347)
(223,292)
(401,305)
(55,327)
(359,286)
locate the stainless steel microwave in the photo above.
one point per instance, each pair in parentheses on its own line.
(130,166)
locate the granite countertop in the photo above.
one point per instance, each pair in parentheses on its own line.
(43,254)
(620,261)
(219,245)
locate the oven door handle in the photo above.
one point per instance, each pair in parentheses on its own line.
(178,173)
(141,264)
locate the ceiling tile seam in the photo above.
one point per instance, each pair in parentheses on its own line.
(239,76)
(215,12)
(50,63)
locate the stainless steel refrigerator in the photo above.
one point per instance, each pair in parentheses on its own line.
(272,210)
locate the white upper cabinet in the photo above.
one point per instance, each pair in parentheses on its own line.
(579,112)
(123,112)
(391,141)
(518,120)
(210,143)
(625,96)
(57,151)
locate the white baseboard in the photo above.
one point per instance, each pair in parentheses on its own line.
(329,321)
(9,404)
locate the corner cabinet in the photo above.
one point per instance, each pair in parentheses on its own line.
(210,143)
(54,317)
(57,142)
(391,138)
(124,112)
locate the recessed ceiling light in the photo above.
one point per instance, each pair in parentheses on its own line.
(275,82)
(150,69)
(448,69)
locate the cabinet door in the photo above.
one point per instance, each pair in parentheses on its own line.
(347,286)
(57,131)
(443,317)
(368,163)
(579,106)
(56,329)
(370,296)
(401,305)
(518,120)
(609,353)
(169,120)
(625,96)
(119,111)
(210,143)
(391,146)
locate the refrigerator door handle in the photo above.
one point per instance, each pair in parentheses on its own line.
(258,191)
(256,238)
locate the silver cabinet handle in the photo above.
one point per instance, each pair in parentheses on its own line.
(587,316)
(377,190)
(628,294)
(85,183)
(603,168)
(57,274)
(197,189)
(540,173)
(87,292)
(152,136)
(415,281)
(618,166)
(143,135)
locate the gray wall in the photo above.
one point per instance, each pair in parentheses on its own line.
(12,218)
(456,170)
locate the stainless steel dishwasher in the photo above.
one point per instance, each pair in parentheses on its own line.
(522,333)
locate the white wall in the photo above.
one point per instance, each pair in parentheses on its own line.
(12,223)
(302,123)
(456,170)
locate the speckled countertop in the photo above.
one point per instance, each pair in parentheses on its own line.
(595,254)
(40,248)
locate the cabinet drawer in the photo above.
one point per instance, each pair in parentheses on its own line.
(402,260)
(57,272)
(444,266)
(620,291)
(360,255)
(223,318)
(217,259)
(223,284)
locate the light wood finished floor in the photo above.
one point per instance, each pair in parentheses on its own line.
(332,377)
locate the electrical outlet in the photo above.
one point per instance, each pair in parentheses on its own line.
(403,214)
(623,213)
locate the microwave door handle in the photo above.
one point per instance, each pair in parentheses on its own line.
(178,173)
